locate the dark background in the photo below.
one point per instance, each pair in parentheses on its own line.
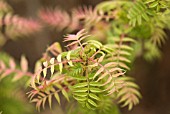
(153,78)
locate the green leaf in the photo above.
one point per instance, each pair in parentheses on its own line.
(89,107)
(65,94)
(145,16)
(153,4)
(95,84)
(132,84)
(81,94)
(81,90)
(137,13)
(80,85)
(148,1)
(92,102)
(57,97)
(80,99)
(94,96)
(79,78)
(139,19)
(95,43)
(95,90)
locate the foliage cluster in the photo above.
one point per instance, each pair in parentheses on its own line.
(94,67)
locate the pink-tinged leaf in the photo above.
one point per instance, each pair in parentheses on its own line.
(119,81)
(98,72)
(88,14)
(110,64)
(101,58)
(55,48)
(135,100)
(110,86)
(17,77)
(81,33)
(34,100)
(18,23)
(126,103)
(123,65)
(41,94)
(135,92)
(122,92)
(73,43)
(55,18)
(70,37)
(124,59)
(118,74)
(6,73)
(12,64)
(111,91)
(115,69)
(2,65)
(43,102)
(82,38)
(59,78)
(108,81)
(32,93)
(102,76)
(124,98)
(73,47)
(24,64)
(38,105)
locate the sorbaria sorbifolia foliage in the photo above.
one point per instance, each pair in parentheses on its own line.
(89,71)
(94,68)
(13,26)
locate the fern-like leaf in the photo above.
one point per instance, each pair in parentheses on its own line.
(76,38)
(89,15)
(55,18)
(6,70)
(138,13)
(128,93)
